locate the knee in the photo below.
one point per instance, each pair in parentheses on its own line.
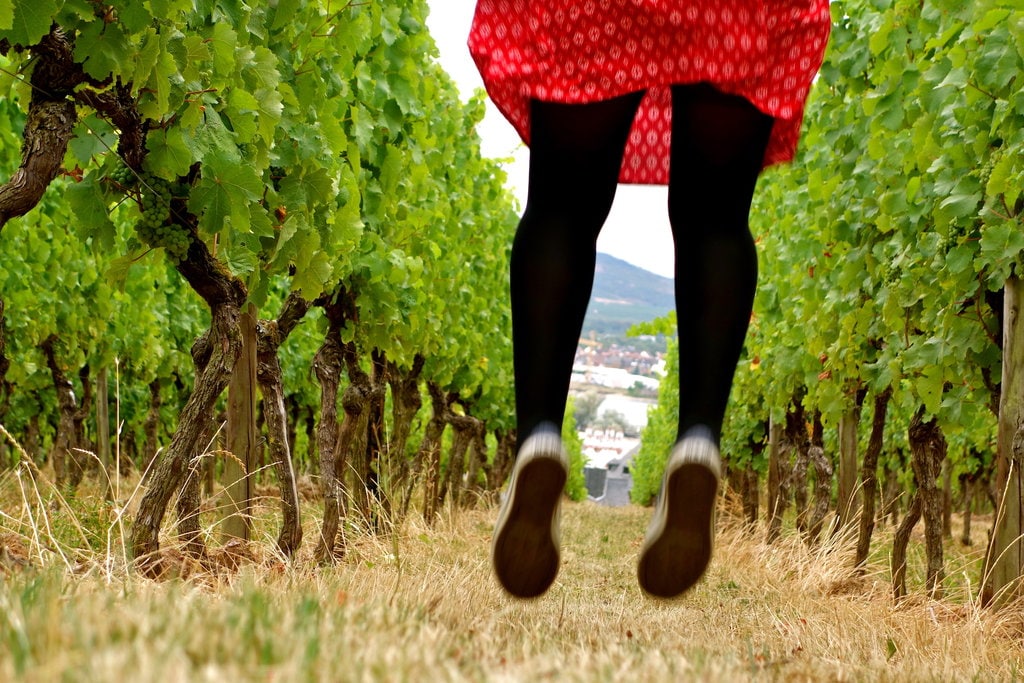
(567,218)
(711,213)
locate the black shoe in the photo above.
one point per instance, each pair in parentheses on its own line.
(525,551)
(678,544)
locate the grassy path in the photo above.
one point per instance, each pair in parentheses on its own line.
(423,606)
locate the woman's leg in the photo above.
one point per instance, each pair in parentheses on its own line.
(575,156)
(718,144)
(576,151)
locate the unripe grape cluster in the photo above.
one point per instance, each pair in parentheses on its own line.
(122,176)
(891,275)
(955,235)
(157,226)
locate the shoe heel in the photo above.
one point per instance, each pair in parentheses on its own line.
(525,551)
(678,545)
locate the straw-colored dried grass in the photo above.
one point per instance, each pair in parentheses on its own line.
(421,605)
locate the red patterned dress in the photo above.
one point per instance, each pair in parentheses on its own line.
(579,51)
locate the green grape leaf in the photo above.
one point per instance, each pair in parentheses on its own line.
(959,259)
(308,189)
(135,17)
(1001,244)
(212,138)
(957,206)
(154,101)
(311,276)
(147,56)
(169,155)
(270,107)
(117,270)
(992,18)
(89,208)
(224,193)
(260,70)
(93,137)
(929,386)
(242,111)
(100,48)
(241,256)
(391,170)
(283,13)
(999,181)
(6,14)
(31,21)
(222,44)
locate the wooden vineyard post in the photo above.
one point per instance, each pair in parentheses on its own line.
(241,434)
(848,471)
(103,430)
(1005,557)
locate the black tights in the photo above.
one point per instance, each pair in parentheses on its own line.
(718,144)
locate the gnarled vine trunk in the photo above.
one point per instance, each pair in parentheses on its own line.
(327,365)
(846,493)
(68,465)
(367,460)
(406,402)
(869,477)
(429,454)
(214,355)
(928,450)
(967,486)
(151,428)
(814,519)
(50,124)
(822,492)
(898,566)
(477,458)
(501,467)
(947,499)
(745,480)
(779,470)
(270,335)
(463,427)
(85,450)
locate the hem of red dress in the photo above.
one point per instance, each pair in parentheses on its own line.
(773,157)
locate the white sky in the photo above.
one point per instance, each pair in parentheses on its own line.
(637,230)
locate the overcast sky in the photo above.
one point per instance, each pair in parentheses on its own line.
(637,230)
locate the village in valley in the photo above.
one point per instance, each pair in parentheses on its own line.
(614,383)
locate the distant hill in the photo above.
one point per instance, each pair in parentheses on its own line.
(624,295)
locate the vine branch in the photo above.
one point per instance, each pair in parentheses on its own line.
(50,124)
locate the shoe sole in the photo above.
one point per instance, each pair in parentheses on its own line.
(525,554)
(679,549)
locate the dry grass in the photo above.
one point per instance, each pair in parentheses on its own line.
(422,605)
